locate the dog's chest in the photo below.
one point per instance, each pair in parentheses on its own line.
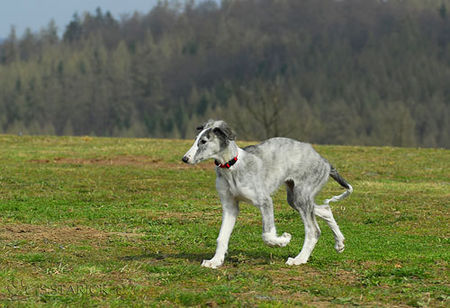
(243,189)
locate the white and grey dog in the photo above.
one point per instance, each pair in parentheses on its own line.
(253,173)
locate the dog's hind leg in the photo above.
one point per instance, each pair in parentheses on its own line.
(303,203)
(230,211)
(324,212)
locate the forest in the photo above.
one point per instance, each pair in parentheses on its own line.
(324,71)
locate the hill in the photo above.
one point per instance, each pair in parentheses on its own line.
(87,221)
(330,72)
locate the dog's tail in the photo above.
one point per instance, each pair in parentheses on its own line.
(338,178)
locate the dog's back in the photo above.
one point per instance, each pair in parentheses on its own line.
(285,159)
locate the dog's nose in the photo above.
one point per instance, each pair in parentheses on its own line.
(185,159)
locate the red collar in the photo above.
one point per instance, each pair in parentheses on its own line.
(228,164)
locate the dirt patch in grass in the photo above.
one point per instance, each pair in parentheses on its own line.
(123,160)
(38,233)
(213,215)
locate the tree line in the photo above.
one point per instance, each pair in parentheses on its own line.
(324,71)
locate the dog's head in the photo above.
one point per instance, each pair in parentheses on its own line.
(212,139)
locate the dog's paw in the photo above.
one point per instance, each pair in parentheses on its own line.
(276,241)
(285,239)
(295,261)
(339,247)
(213,263)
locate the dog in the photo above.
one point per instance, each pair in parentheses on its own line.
(253,173)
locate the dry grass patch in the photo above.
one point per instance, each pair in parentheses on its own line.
(58,234)
(123,160)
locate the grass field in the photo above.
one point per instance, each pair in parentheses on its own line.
(121,222)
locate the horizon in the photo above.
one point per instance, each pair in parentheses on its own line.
(36,15)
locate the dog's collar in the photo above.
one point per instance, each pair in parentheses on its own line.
(228,164)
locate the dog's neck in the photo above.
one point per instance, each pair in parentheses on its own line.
(230,152)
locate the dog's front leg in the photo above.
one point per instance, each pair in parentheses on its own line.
(230,211)
(269,234)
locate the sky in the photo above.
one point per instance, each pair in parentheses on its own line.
(36,14)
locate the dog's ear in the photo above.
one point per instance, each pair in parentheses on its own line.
(224,132)
(207,124)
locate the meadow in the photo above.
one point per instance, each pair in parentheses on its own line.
(123,222)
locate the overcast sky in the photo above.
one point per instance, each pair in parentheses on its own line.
(36,14)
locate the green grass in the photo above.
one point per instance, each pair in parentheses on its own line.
(120,222)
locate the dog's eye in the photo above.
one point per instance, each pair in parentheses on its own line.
(203,141)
